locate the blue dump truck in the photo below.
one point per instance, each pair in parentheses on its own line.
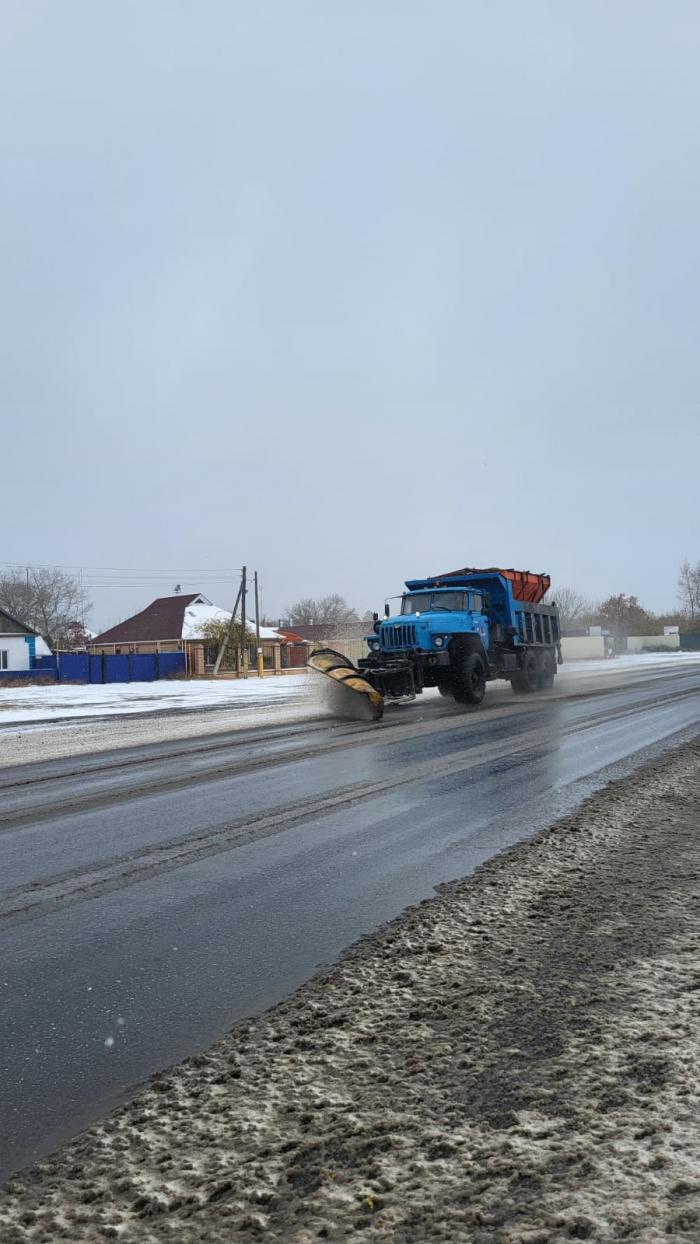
(458,630)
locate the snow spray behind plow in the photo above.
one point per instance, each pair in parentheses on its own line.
(351,694)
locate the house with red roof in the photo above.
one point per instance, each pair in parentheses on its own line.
(178,624)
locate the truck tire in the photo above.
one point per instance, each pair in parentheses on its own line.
(468,678)
(547,672)
(527,679)
(445,687)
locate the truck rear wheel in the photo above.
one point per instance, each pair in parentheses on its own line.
(527,679)
(468,678)
(547,672)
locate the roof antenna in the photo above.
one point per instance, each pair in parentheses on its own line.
(177,589)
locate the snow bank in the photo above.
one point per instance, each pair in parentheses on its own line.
(633,662)
(57,702)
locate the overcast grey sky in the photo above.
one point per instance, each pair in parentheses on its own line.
(352,292)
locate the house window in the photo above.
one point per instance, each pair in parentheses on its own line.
(3,658)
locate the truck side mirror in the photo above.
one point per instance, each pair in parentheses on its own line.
(386,611)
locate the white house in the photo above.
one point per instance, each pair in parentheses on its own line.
(19,644)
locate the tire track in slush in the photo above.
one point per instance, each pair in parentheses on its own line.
(79,885)
(28,810)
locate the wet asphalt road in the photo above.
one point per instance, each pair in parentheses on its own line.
(151,897)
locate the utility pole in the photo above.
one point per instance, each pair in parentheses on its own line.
(229,633)
(244,633)
(258,649)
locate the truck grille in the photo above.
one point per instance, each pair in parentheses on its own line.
(403,635)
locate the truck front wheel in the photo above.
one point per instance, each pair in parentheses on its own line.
(468,678)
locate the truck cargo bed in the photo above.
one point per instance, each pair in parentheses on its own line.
(526,585)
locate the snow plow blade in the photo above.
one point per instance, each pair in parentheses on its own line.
(351,694)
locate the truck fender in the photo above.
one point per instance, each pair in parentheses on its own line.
(469,642)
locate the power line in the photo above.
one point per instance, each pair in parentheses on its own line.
(157,579)
(127,586)
(76,566)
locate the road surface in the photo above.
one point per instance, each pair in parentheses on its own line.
(150,897)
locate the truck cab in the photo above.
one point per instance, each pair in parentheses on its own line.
(429,619)
(430,622)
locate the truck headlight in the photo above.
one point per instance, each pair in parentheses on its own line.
(374,645)
(438,641)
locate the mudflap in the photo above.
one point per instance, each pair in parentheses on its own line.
(351,694)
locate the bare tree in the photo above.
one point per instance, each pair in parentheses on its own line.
(689,589)
(573,607)
(304,612)
(47,599)
(625,616)
(328,610)
(76,638)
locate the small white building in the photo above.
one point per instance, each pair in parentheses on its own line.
(19,645)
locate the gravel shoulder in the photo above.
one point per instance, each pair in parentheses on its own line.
(515,1060)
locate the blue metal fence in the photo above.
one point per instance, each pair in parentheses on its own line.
(170,664)
(77,667)
(141,668)
(103,668)
(116,668)
(45,663)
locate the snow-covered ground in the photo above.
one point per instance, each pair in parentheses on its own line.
(58,702)
(633,661)
(44,723)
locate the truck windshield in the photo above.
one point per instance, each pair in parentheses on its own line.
(427,602)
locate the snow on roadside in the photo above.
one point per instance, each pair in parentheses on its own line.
(515,1061)
(47,722)
(58,702)
(633,661)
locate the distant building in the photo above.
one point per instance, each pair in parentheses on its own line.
(20,645)
(177,624)
(323,632)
